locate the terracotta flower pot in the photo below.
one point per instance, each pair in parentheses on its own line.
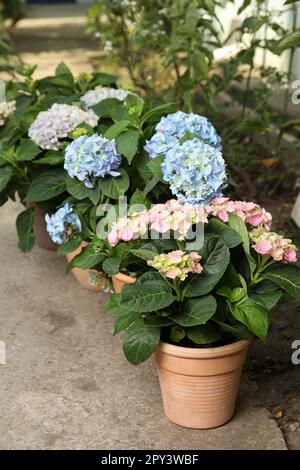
(40,230)
(120,279)
(82,275)
(199,386)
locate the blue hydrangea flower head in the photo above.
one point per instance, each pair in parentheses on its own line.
(195,170)
(89,156)
(64,223)
(172,128)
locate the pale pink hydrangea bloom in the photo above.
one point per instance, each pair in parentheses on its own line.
(274,245)
(177,264)
(249,212)
(129,228)
(54,124)
(172,216)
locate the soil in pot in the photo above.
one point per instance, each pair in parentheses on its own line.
(199,386)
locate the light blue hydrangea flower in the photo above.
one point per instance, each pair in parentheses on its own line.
(91,156)
(173,127)
(196,171)
(63,224)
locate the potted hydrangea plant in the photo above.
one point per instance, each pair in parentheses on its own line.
(196,303)
(32,133)
(45,116)
(196,311)
(99,167)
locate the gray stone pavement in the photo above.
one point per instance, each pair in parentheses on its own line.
(49,34)
(66,384)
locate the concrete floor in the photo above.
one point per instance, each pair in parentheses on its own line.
(66,384)
(49,34)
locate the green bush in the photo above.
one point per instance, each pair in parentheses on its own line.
(169,47)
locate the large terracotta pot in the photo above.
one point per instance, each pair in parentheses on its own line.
(120,279)
(199,386)
(82,275)
(40,231)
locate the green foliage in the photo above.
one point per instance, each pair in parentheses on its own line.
(252,315)
(287,278)
(140,341)
(174,50)
(47,185)
(115,187)
(196,311)
(214,267)
(148,297)
(24,225)
(206,309)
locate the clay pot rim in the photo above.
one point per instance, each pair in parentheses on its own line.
(204,353)
(124,278)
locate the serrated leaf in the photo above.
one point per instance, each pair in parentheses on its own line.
(124,321)
(127,144)
(115,186)
(155,167)
(111,266)
(253,316)
(27,150)
(147,297)
(203,334)
(196,311)
(24,225)
(69,246)
(6,173)
(288,42)
(267,300)
(116,129)
(213,270)
(239,226)
(146,255)
(51,158)
(47,185)
(150,185)
(287,278)
(230,236)
(88,258)
(106,107)
(149,276)
(140,341)
(199,62)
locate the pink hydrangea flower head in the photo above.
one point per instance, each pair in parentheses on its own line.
(173,216)
(251,213)
(274,245)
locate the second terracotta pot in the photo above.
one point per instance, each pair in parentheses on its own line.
(199,386)
(120,280)
(40,231)
(83,275)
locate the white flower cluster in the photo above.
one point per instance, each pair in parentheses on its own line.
(92,97)
(6,108)
(54,124)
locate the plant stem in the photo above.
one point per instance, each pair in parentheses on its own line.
(289,73)
(264,264)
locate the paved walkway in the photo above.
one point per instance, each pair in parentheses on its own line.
(53,33)
(66,384)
